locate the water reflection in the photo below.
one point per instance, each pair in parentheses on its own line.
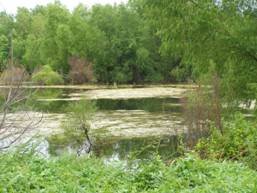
(125,128)
(146,104)
(137,148)
(127,149)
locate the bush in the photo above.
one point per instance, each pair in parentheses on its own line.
(46,76)
(238,142)
(13,75)
(76,127)
(26,173)
(180,74)
(81,70)
(203,108)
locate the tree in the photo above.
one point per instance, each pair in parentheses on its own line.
(129,46)
(119,42)
(4,51)
(6,26)
(57,16)
(207,32)
(34,43)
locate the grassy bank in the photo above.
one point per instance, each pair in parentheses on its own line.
(70,174)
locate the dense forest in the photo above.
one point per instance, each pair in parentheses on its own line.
(103,44)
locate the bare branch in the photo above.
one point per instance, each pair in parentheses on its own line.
(13,126)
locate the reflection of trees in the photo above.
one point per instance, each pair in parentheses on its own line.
(136,148)
(147,104)
(41,97)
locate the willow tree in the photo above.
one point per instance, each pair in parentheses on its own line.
(220,35)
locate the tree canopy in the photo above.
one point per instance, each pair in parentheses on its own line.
(217,35)
(118,41)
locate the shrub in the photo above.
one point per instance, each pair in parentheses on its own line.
(46,76)
(76,127)
(203,108)
(238,142)
(81,70)
(180,74)
(14,75)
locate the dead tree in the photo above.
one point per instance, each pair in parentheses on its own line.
(13,126)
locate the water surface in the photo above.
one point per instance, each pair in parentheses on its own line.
(134,122)
(125,127)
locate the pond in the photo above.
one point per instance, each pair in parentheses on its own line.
(129,123)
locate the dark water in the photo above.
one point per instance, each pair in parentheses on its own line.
(147,104)
(127,149)
(137,148)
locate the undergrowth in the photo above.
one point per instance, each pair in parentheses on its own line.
(237,143)
(28,173)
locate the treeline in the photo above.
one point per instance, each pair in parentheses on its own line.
(103,44)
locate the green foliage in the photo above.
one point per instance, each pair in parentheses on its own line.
(26,173)
(181,73)
(205,32)
(123,36)
(76,127)
(141,41)
(193,175)
(82,111)
(47,76)
(79,115)
(3,51)
(6,24)
(238,142)
(118,40)
(150,174)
